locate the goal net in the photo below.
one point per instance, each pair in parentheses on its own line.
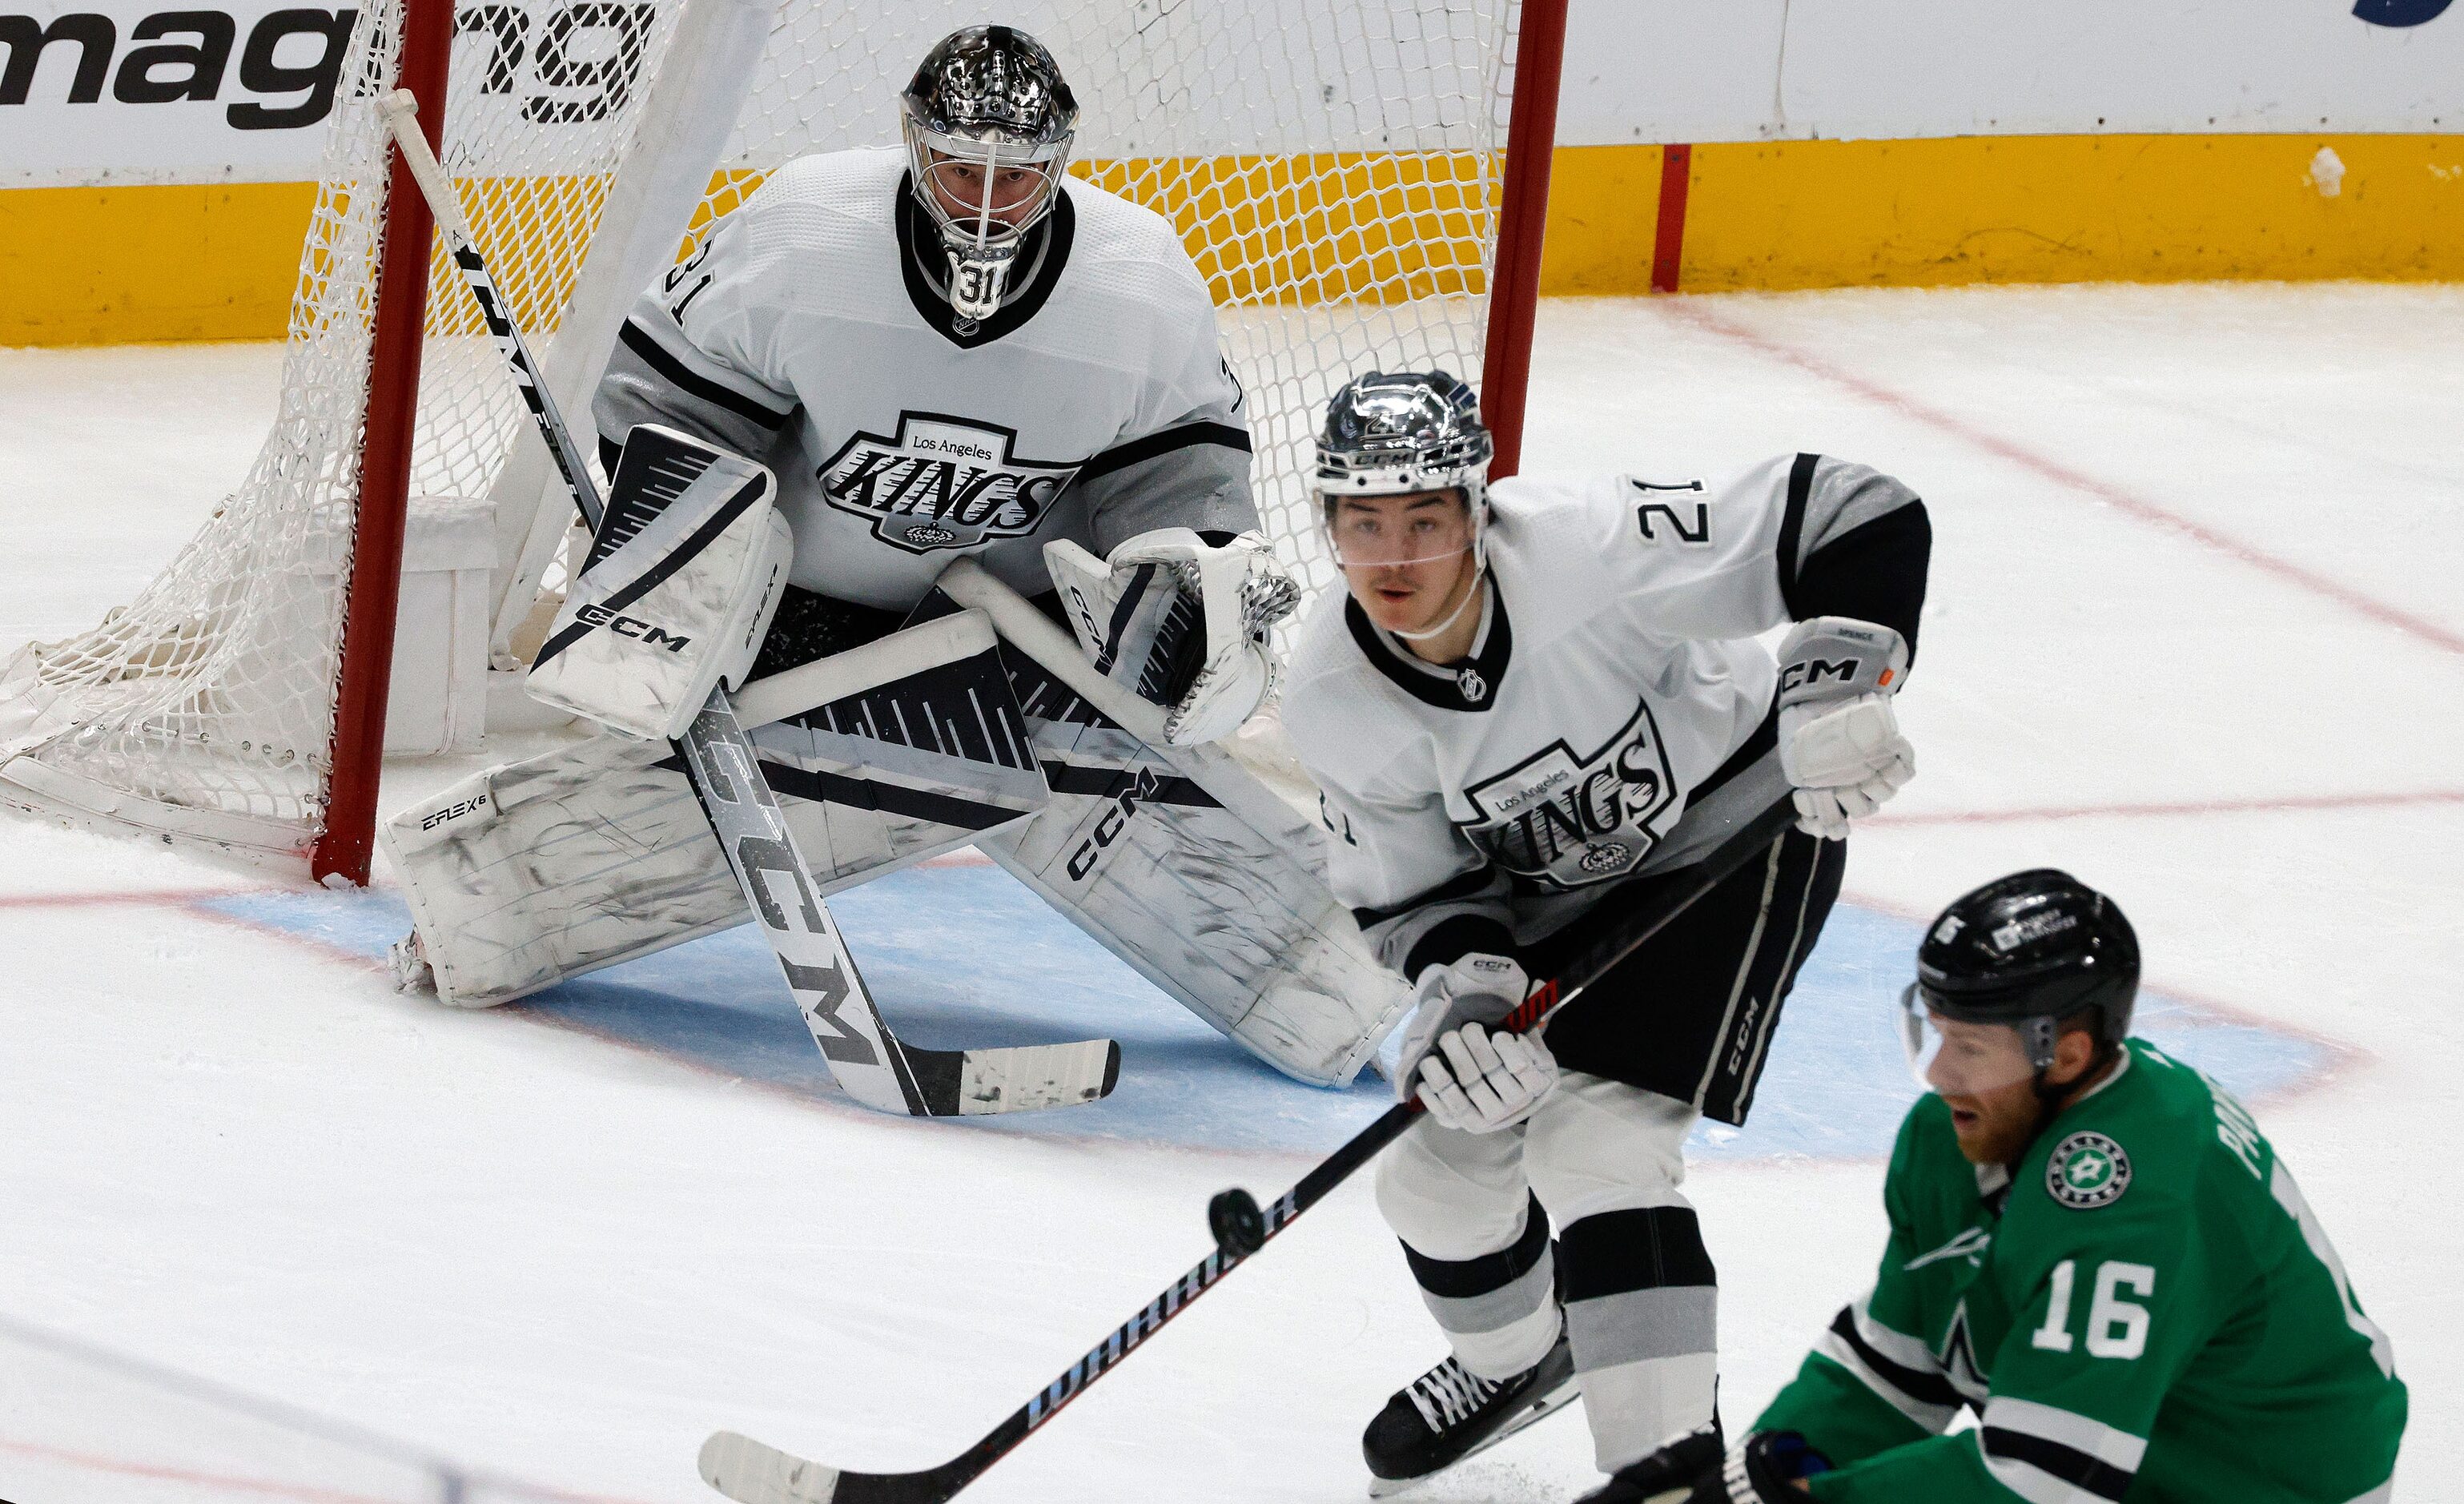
(1335,167)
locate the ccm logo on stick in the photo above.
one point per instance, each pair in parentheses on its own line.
(629,627)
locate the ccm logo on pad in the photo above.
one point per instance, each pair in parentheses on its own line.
(629,627)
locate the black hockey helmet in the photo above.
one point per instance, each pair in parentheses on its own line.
(2031,950)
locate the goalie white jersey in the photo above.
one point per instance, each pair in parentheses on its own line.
(808,330)
(1615,712)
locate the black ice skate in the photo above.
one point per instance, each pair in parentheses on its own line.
(1448,1414)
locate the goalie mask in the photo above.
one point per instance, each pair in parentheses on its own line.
(988,122)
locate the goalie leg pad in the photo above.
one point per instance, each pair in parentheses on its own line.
(525,876)
(1223,917)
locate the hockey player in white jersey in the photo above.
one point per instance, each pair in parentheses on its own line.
(1535,707)
(953,350)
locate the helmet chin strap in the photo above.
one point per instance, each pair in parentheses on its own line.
(1478,574)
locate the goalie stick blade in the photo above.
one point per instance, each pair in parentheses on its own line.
(1028,1078)
(749,1472)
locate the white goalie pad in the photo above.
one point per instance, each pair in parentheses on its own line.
(1227,918)
(675,593)
(527,874)
(1183,864)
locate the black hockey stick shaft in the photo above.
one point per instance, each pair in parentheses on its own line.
(771,1477)
(402,115)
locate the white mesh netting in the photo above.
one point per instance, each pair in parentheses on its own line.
(1334,167)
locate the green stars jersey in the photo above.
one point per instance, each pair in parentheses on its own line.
(2144,1310)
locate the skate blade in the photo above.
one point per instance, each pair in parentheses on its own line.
(1566,1394)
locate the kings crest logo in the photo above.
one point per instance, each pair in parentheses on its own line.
(942,482)
(1569,819)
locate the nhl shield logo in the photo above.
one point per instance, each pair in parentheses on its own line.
(2088,1170)
(942,482)
(1474,688)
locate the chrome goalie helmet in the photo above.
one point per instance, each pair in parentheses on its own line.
(988,122)
(1391,433)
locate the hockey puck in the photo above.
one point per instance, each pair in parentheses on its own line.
(1240,1227)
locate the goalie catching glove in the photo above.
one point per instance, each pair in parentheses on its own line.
(1470,1076)
(1182,622)
(1839,743)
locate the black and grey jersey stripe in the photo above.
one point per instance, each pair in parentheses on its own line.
(1853,543)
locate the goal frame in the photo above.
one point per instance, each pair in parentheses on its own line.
(343,849)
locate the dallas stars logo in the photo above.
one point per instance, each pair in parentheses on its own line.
(943,483)
(2088,1170)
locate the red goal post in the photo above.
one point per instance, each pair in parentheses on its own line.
(1362,184)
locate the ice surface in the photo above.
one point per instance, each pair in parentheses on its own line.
(2192,635)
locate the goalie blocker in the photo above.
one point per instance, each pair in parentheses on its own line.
(883,755)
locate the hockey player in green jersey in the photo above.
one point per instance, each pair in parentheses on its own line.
(2093,1246)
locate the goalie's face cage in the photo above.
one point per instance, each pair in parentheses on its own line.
(988,124)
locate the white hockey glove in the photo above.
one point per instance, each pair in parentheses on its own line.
(1839,743)
(1467,1074)
(1182,622)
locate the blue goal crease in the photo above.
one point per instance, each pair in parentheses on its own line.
(966,956)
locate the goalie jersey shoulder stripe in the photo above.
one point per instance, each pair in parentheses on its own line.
(1615,690)
(807,330)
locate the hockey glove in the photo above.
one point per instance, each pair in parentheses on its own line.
(1667,1476)
(1839,743)
(1469,1077)
(1763,1469)
(1183,622)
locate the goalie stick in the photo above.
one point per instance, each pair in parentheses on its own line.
(867,1059)
(751,1472)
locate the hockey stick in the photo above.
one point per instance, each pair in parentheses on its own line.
(864,1057)
(750,1472)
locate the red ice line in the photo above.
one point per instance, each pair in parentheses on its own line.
(2062,475)
(172,897)
(308,1494)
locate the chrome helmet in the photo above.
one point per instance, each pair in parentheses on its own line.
(988,122)
(1391,433)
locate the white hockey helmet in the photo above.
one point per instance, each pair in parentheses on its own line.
(1394,433)
(986,102)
